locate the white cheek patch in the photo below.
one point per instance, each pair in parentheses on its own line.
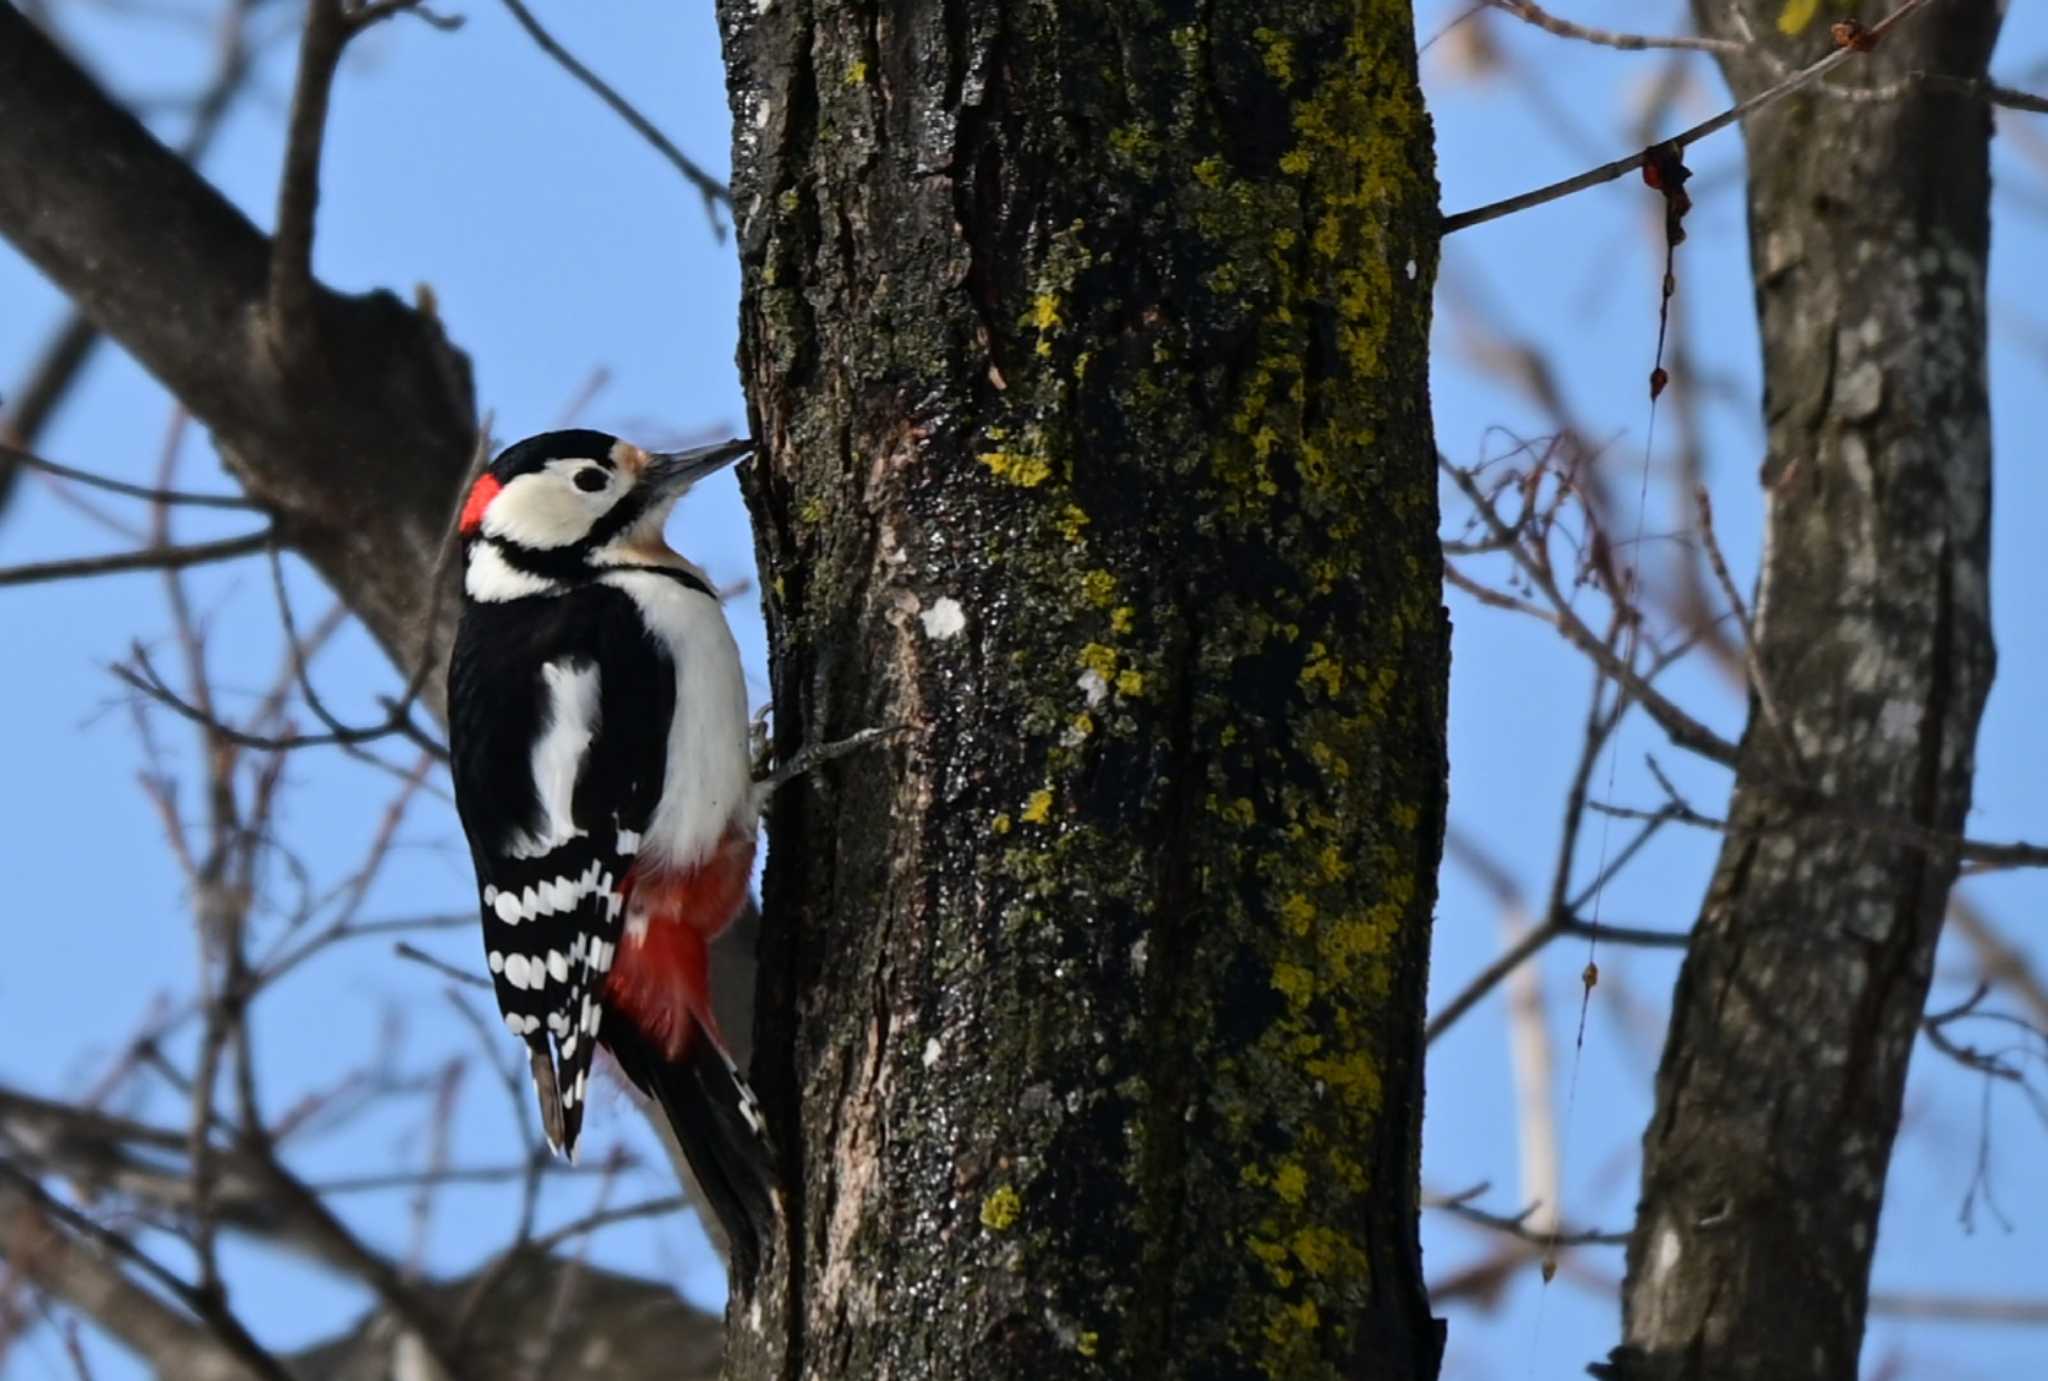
(544,510)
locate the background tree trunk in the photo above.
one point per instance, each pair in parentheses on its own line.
(1796,1010)
(1087,348)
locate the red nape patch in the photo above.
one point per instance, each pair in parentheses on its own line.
(661,980)
(480,495)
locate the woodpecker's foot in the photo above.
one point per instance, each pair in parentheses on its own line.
(818,754)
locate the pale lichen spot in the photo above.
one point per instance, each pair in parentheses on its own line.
(1861,392)
(1899,721)
(1664,1256)
(933,1048)
(945,619)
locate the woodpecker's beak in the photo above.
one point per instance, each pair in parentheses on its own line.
(671,472)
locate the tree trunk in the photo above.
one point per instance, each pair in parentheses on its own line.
(1086,344)
(1779,1092)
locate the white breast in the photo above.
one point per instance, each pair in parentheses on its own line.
(707,782)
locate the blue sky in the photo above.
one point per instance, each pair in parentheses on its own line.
(558,244)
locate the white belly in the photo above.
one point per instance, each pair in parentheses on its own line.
(707,782)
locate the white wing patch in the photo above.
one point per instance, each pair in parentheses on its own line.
(572,692)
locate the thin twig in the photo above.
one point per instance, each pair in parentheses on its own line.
(1609,38)
(1978,88)
(591,1222)
(211,1308)
(28,460)
(153,558)
(1608,172)
(1460,1206)
(330,24)
(143,677)
(1684,730)
(714,192)
(298,189)
(1988,855)
(1767,701)
(440,966)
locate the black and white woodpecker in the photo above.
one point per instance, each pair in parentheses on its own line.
(598,732)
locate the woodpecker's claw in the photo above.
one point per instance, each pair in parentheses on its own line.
(818,754)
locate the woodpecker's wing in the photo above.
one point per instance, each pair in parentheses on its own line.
(559,714)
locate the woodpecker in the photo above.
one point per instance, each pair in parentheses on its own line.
(599,741)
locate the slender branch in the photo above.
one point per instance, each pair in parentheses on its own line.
(1766,700)
(298,191)
(1990,92)
(146,559)
(1684,730)
(1608,38)
(366,1265)
(210,1307)
(714,192)
(30,461)
(330,24)
(1530,944)
(591,1222)
(143,677)
(1460,1205)
(1998,95)
(1608,172)
(1960,1309)
(442,967)
(61,362)
(1988,855)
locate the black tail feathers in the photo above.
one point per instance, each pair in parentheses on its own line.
(718,1122)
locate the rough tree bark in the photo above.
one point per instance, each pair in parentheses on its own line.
(1087,348)
(1796,1010)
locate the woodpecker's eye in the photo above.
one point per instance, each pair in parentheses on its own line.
(590,479)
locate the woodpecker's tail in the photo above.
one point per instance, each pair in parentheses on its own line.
(718,1122)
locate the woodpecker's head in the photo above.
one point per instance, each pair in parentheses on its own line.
(559,507)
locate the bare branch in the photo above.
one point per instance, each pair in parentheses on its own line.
(1989,92)
(298,190)
(210,1307)
(1987,855)
(1608,38)
(1684,730)
(442,967)
(1608,172)
(714,192)
(1960,1308)
(1459,1205)
(30,461)
(143,677)
(1754,668)
(144,559)
(330,24)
